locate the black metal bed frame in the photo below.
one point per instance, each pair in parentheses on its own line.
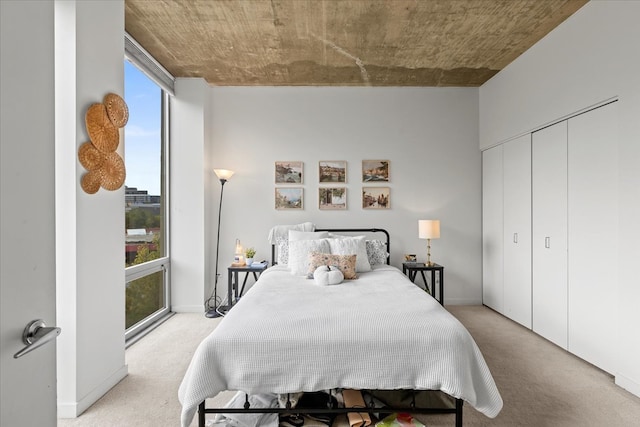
(370,409)
(330,409)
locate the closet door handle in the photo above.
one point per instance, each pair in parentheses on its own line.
(547,242)
(515,237)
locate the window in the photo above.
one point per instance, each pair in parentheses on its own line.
(146,235)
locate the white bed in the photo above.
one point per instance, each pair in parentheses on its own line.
(377,332)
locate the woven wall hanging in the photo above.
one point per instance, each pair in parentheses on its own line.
(105,168)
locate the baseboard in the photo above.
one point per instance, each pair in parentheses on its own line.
(461,301)
(628,384)
(75,409)
(188,308)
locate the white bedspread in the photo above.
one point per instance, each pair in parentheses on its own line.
(377,332)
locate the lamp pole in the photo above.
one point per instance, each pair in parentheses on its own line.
(213,311)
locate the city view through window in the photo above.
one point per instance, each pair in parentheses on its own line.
(145,253)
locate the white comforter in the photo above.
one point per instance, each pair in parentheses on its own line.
(377,332)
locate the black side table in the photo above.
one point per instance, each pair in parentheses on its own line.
(411,269)
(233,282)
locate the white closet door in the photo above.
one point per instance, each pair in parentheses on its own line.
(593,236)
(549,241)
(517,230)
(492,229)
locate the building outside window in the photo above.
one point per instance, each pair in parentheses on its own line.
(146,232)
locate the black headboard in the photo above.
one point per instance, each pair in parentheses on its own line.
(346,230)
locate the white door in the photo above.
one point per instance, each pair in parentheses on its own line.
(492,229)
(517,230)
(549,241)
(593,236)
(27,290)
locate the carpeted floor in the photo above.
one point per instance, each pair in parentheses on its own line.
(541,384)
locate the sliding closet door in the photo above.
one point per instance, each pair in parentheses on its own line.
(549,241)
(593,236)
(492,229)
(517,230)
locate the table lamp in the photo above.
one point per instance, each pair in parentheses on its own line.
(429,229)
(238,259)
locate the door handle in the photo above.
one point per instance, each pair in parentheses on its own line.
(547,242)
(515,237)
(36,334)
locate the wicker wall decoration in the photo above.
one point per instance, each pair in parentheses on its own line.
(105,168)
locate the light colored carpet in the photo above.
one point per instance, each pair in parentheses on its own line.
(541,384)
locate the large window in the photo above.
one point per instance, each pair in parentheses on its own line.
(146,234)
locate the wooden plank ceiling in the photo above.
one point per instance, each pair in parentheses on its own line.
(341,42)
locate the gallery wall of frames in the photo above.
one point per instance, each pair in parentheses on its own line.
(331,192)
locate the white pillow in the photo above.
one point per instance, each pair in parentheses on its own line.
(299,251)
(307,235)
(348,245)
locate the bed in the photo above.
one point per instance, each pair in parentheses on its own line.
(377,332)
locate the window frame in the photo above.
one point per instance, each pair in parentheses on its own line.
(162,264)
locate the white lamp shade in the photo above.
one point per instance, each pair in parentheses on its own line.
(223,173)
(428,229)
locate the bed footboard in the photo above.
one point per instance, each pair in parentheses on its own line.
(370,409)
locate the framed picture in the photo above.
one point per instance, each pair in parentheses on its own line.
(409,257)
(375,171)
(289,173)
(376,198)
(332,198)
(289,198)
(332,171)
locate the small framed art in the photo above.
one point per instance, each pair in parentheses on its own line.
(375,171)
(289,198)
(332,198)
(289,173)
(332,171)
(376,198)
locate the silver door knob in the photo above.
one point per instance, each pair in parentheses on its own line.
(35,335)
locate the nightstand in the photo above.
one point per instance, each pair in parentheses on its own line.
(233,281)
(411,269)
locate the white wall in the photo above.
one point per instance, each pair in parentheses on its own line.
(89,228)
(191,196)
(591,57)
(428,134)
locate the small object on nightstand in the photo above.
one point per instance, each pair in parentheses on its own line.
(249,253)
(238,259)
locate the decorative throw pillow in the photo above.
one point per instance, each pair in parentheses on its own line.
(346,245)
(376,252)
(299,251)
(346,263)
(282,250)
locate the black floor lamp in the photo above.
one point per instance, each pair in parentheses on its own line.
(223,175)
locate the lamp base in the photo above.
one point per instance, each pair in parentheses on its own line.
(212,313)
(429,264)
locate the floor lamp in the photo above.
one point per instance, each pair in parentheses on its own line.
(223,175)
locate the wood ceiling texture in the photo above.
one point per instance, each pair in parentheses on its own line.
(341,42)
